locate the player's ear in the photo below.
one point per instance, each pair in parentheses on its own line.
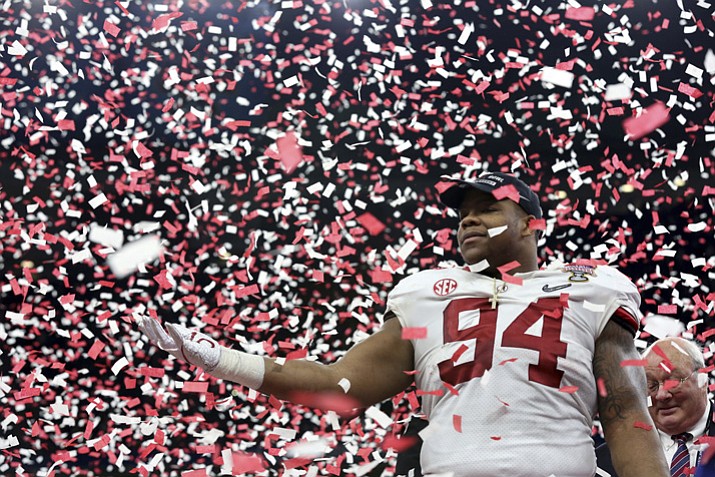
(526,230)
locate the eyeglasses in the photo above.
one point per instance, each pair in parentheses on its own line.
(671,385)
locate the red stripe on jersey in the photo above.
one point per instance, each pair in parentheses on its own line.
(627,319)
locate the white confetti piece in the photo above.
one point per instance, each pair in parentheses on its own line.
(22,29)
(15,318)
(697,227)
(16,49)
(494,231)
(464,36)
(597,307)
(81,255)
(694,71)
(98,200)
(662,326)
(382,419)
(290,82)
(344,383)
(105,236)
(557,77)
(308,449)
(284,433)
(135,254)
(616,92)
(11,441)
(709,62)
(119,365)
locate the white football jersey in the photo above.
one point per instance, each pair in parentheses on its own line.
(508,384)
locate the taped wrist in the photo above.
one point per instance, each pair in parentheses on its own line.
(239,367)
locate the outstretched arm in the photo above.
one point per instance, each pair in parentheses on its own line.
(370,372)
(623,411)
(374,370)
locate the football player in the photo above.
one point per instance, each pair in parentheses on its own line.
(516,360)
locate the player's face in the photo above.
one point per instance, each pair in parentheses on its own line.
(490,229)
(674,409)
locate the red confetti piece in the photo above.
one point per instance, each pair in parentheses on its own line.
(339,402)
(585,14)
(246,464)
(457,422)
(195,387)
(67,299)
(452,390)
(601,385)
(506,192)
(671,384)
(290,153)
(96,348)
(708,454)
(414,333)
(634,362)
(167,105)
(512,279)
(642,425)
(667,309)
(371,223)
(205,449)
(398,443)
(88,430)
(188,26)
(66,125)
(380,276)
(510,360)
(651,118)
(247,291)
(163,280)
(459,352)
(506,268)
(162,21)
(537,224)
(143,151)
(568,389)
(665,363)
(691,91)
(111,28)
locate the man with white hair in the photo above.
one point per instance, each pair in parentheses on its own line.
(678,403)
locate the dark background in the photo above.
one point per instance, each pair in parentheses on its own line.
(367,81)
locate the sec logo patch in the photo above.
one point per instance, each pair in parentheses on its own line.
(444,286)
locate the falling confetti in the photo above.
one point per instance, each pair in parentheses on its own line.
(266,171)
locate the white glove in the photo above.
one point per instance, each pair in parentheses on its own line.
(186,344)
(200,350)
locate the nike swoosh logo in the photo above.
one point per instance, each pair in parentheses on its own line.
(549,289)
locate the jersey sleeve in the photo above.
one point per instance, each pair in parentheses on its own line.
(398,300)
(626,320)
(407,299)
(624,308)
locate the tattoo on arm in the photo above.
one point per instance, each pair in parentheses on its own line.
(611,405)
(613,346)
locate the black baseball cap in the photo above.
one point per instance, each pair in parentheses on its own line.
(488,182)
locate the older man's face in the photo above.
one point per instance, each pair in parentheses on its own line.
(677,400)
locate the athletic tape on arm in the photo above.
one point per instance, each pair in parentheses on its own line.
(242,368)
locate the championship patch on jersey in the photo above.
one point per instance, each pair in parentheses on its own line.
(444,286)
(580,273)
